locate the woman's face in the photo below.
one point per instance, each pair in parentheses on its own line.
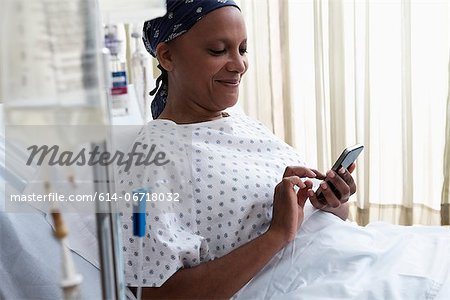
(208,62)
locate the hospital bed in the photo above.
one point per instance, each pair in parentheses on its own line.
(329,259)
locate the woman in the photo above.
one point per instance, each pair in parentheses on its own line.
(240,202)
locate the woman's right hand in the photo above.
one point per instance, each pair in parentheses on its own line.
(222,277)
(288,203)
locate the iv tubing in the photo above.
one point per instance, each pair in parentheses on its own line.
(71,280)
(139,212)
(139,273)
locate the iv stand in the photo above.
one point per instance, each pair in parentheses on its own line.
(108,231)
(107,219)
(108,226)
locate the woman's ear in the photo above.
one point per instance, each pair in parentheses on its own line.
(164,56)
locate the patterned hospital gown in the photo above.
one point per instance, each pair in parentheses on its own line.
(223,173)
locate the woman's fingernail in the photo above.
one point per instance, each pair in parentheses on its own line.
(310,193)
(341,170)
(330,174)
(324,186)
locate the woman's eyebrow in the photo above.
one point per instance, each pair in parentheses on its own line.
(227,41)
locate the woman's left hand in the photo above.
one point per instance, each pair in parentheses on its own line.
(336,189)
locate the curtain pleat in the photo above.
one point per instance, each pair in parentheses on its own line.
(361,14)
(407,124)
(365,218)
(337,99)
(322,119)
(445,202)
(285,62)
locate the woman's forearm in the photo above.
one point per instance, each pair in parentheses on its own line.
(223,277)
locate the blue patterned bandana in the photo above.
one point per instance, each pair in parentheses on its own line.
(181,16)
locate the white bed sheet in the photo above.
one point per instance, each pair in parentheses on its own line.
(332,259)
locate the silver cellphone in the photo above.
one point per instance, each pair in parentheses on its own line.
(347,157)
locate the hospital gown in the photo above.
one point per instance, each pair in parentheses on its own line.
(223,173)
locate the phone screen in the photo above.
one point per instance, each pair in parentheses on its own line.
(347,157)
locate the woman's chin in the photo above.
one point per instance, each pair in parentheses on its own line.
(229,101)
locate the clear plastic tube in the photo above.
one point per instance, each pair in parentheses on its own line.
(139,214)
(129,295)
(139,265)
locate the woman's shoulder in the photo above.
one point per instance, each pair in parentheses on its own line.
(254,125)
(166,131)
(161,129)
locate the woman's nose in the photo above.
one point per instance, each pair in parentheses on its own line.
(237,63)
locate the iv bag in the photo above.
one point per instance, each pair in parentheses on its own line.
(141,75)
(52,69)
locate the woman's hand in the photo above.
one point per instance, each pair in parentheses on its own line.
(288,202)
(336,189)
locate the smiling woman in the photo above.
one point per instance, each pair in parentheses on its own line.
(205,68)
(198,61)
(245,195)
(219,164)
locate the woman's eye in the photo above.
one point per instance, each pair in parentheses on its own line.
(242,51)
(217,52)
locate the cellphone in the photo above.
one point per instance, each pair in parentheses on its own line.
(347,157)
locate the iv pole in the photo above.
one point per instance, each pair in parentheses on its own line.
(106,216)
(108,224)
(108,231)
(107,219)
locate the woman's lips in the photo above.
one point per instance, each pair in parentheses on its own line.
(229,82)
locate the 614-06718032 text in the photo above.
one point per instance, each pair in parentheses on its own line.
(151,197)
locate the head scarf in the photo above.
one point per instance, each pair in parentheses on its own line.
(181,16)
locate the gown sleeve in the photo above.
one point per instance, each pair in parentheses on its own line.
(171,239)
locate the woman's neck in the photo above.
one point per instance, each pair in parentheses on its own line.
(186,117)
(182,113)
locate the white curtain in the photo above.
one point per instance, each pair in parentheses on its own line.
(376,73)
(265,93)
